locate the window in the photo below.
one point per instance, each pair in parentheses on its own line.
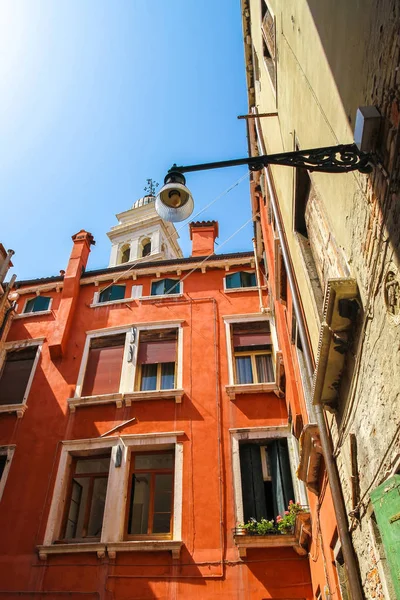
(146,247)
(125,254)
(266,477)
(118,493)
(149,510)
(341,573)
(17,374)
(268,41)
(240,279)
(6,455)
(165,286)
(252,347)
(157,359)
(112,292)
(104,365)
(86,498)
(38,304)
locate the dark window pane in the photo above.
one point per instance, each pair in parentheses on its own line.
(265,368)
(157,288)
(140,501)
(97,507)
(125,255)
(114,292)
(171,286)
(244,372)
(248,279)
(74,508)
(92,465)
(3,462)
(15,375)
(233,280)
(146,249)
(165,286)
(162,503)
(37,304)
(154,461)
(168,376)
(149,378)
(77,508)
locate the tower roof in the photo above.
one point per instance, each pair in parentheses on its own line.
(145,200)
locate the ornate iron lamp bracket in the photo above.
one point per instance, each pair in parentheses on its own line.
(332,159)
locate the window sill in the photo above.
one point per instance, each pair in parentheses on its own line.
(112,302)
(250,388)
(254,288)
(176,394)
(38,313)
(44,551)
(127,397)
(95,400)
(14,408)
(173,546)
(160,297)
(298,540)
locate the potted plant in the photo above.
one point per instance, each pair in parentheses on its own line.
(287,522)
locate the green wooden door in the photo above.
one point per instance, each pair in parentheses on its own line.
(386,502)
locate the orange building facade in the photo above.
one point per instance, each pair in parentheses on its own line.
(148,411)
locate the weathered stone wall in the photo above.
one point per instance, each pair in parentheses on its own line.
(371,391)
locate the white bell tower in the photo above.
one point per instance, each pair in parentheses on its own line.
(142,235)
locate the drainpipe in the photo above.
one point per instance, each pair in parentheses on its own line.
(262,308)
(6,265)
(326,443)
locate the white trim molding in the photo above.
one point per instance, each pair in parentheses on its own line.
(233,388)
(112,534)
(126,392)
(260,433)
(21,407)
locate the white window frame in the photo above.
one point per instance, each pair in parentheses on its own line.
(136,293)
(263,433)
(38,313)
(9,452)
(126,390)
(241,289)
(234,388)
(112,534)
(20,408)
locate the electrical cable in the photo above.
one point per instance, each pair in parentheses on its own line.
(224,193)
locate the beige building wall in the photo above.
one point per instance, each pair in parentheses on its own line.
(332,57)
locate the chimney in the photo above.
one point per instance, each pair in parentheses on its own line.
(203,235)
(70,292)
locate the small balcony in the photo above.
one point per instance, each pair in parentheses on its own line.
(297,539)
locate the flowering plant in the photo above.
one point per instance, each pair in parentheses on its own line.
(282,524)
(286,523)
(262,527)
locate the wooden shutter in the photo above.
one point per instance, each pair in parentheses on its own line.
(386,502)
(151,353)
(15,375)
(251,334)
(253,491)
(103,369)
(282,486)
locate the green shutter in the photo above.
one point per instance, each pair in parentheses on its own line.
(282,486)
(253,492)
(233,281)
(386,502)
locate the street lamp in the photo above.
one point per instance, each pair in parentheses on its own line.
(174,201)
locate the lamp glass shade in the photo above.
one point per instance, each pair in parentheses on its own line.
(174,202)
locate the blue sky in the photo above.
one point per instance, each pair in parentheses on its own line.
(97,96)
